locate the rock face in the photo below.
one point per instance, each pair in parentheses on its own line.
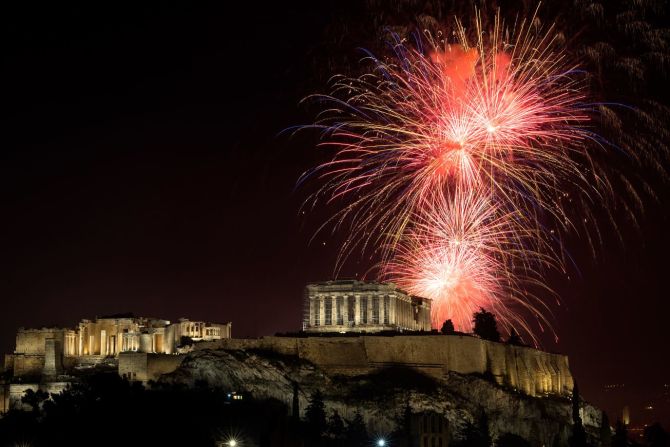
(533,372)
(381,395)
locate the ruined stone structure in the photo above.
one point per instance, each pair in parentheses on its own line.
(51,351)
(141,348)
(357,306)
(142,366)
(144,349)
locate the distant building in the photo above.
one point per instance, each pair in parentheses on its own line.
(357,306)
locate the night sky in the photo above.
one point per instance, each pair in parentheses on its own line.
(143,171)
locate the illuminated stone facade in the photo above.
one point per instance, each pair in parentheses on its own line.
(357,306)
(51,351)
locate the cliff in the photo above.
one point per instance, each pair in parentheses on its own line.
(531,371)
(380,394)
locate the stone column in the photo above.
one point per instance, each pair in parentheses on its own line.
(322,310)
(404,313)
(333,304)
(310,310)
(345,310)
(394,309)
(382,300)
(103,342)
(357,310)
(369,308)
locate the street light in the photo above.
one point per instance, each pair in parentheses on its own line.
(381,442)
(232,443)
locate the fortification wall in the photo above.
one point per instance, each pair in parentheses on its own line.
(143,367)
(29,354)
(4,397)
(31,341)
(532,371)
(158,364)
(28,365)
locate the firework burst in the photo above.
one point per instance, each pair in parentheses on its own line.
(465,253)
(451,156)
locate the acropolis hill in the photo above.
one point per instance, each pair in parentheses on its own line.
(352,333)
(528,370)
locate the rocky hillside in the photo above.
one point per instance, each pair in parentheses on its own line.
(381,396)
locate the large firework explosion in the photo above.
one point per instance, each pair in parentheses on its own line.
(454,156)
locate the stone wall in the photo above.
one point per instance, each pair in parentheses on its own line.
(31,341)
(532,371)
(28,357)
(28,365)
(4,397)
(17,391)
(144,367)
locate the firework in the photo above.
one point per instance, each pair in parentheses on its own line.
(451,156)
(500,114)
(465,253)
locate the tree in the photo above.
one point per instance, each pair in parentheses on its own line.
(578,438)
(655,436)
(34,399)
(476,435)
(620,438)
(403,432)
(185,341)
(605,431)
(485,325)
(511,440)
(357,434)
(514,338)
(336,426)
(447,327)
(315,418)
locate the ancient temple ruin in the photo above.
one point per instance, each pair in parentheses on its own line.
(357,306)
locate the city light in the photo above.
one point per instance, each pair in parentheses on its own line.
(381,442)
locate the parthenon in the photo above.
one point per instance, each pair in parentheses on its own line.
(358,306)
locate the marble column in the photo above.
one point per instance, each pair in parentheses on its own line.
(333,310)
(381,308)
(357,310)
(310,310)
(345,310)
(103,342)
(322,310)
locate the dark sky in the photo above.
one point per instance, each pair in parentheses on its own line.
(141,170)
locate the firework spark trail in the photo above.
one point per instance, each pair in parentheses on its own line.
(458,254)
(496,122)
